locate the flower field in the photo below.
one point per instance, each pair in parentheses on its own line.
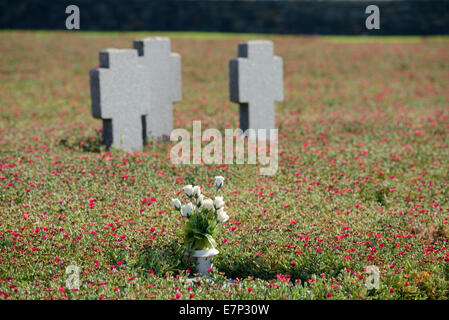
(362,179)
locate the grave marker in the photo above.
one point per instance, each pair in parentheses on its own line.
(163,76)
(133,91)
(255,82)
(120,97)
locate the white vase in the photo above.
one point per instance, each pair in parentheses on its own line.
(204,260)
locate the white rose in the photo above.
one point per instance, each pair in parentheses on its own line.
(219,182)
(188,190)
(218,202)
(186,210)
(208,204)
(196,191)
(176,204)
(222,216)
(200,199)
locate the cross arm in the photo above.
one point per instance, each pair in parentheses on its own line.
(116,66)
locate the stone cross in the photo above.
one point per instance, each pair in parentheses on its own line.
(255,82)
(120,97)
(133,91)
(163,79)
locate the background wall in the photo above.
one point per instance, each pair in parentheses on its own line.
(422,17)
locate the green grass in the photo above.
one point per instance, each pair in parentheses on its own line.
(172,34)
(362,178)
(387,39)
(197,35)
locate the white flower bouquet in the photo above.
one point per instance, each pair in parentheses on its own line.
(201,216)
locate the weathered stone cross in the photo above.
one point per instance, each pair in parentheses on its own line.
(255,82)
(133,92)
(120,97)
(163,70)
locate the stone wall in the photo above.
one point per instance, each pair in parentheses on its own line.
(422,17)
